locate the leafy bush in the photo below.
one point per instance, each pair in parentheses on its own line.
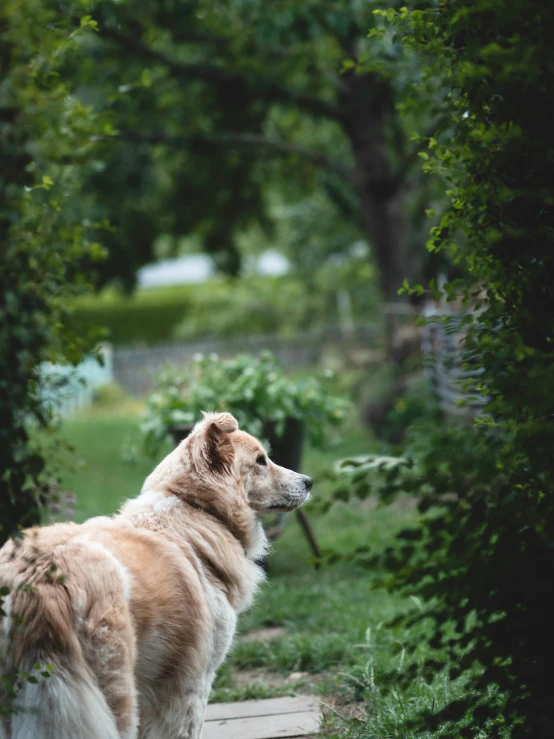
(228,308)
(252,306)
(48,138)
(147,316)
(254,389)
(482,560)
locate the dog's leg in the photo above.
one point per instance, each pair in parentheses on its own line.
(109,649)
(179,712)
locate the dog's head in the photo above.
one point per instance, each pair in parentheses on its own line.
(218,449)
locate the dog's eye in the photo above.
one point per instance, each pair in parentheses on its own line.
(261,460)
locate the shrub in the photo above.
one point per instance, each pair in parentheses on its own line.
(482,560)
(220,308)
(148,316)
(254,389)
(47,138)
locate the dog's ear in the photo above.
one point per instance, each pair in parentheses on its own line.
(218,449)
(223,422)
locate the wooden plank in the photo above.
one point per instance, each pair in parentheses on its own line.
(269,707)
(263,727)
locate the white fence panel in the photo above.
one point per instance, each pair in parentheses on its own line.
(67,389)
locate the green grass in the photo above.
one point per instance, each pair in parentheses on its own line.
(103,479)
(334,633)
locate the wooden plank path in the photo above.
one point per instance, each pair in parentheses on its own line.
(264,719)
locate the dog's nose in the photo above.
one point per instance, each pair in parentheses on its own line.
(308,482)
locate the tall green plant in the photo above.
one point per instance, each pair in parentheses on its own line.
(47,139)
(485,553)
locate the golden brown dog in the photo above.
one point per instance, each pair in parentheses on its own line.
(136,612)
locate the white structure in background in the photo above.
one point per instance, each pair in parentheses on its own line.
(193,268)
(442,345)
(67,389)
(269,264)
(185,270)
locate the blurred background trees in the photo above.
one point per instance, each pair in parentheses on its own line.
(227,112)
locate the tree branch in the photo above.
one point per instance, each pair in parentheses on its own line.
(248,140)
(269,88)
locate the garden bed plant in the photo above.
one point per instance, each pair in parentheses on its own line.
(265,400)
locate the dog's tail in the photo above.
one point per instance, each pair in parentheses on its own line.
(56,694)
(67,705)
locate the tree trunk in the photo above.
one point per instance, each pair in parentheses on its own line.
(386,228)
(370,115)
(368,103)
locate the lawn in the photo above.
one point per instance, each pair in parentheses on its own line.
(104,479)
(321,631)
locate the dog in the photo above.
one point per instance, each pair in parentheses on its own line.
(130,616)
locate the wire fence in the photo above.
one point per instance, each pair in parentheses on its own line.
(442,343)
(136,368)
(68,389)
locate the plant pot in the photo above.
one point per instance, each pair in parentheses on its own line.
(286,450)
(178,433)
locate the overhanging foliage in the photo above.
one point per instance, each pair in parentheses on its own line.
(483,559)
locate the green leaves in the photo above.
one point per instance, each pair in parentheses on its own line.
(48,140)
(254,389)
(88,22)
(46,183)
(484,561)
(407,289)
